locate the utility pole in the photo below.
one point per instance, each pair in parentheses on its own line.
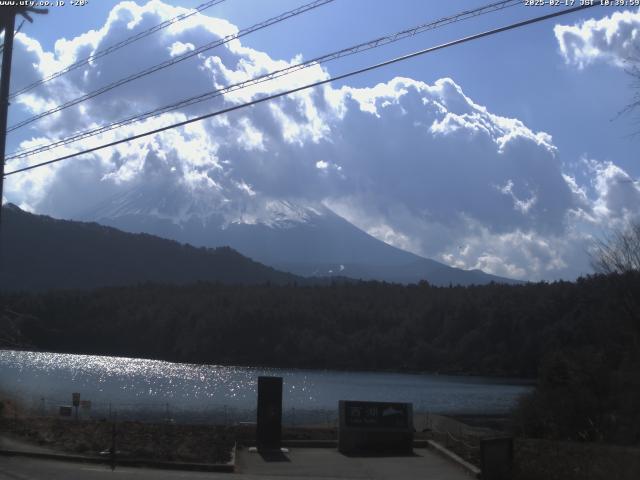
(8,19)
(8,24)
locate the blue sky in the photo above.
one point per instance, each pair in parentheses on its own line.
(521,75)
(518,74)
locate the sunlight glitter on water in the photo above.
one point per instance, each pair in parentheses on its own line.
(140,382)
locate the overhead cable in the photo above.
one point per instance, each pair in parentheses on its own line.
(172,61)
(374,43)
(117,46)
(310,85)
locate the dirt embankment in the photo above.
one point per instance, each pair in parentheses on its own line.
(141,440)
(163,442)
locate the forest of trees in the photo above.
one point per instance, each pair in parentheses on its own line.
(492,329)
(581,337)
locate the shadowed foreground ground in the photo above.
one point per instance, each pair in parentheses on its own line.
(305,463)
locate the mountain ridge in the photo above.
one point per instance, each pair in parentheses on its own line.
(41,253)
(306,240)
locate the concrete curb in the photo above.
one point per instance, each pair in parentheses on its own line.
(52,456)
(310,443)
(445,452)
(333,443)
(228,467)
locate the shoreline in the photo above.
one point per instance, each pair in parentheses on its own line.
(493,377)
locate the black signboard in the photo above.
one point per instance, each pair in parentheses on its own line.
(376,414)
(269,428)
(65,411)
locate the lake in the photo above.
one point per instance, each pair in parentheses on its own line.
(137,388)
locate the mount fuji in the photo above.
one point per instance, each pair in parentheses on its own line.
(301,238)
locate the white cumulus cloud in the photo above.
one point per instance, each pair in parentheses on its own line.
(614,39)
(417,164)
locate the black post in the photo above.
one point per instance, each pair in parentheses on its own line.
(269,428)
(75,401)
(7,53)
(113,445)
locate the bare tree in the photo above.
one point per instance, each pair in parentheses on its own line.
(619,252)
(633,70)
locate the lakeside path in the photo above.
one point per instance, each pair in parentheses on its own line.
(300,463)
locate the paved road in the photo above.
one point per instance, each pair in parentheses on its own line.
(307,463)
(325,463)
(22,468)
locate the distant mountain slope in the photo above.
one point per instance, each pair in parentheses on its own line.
(307,240)
(39,252)
(419,269)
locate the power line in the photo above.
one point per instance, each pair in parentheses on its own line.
(375,43)
(173,61)
(378,42)
(311,85)
(116,46)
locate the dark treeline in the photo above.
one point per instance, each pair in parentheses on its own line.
(581,339)
(492,329)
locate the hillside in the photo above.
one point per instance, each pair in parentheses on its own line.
(309,240)
(40,253)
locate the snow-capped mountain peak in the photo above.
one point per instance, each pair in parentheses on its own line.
(296,236)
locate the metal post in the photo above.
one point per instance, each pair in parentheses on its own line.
(113,444)
(7,53)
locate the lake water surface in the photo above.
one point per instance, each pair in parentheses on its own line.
(46,380)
